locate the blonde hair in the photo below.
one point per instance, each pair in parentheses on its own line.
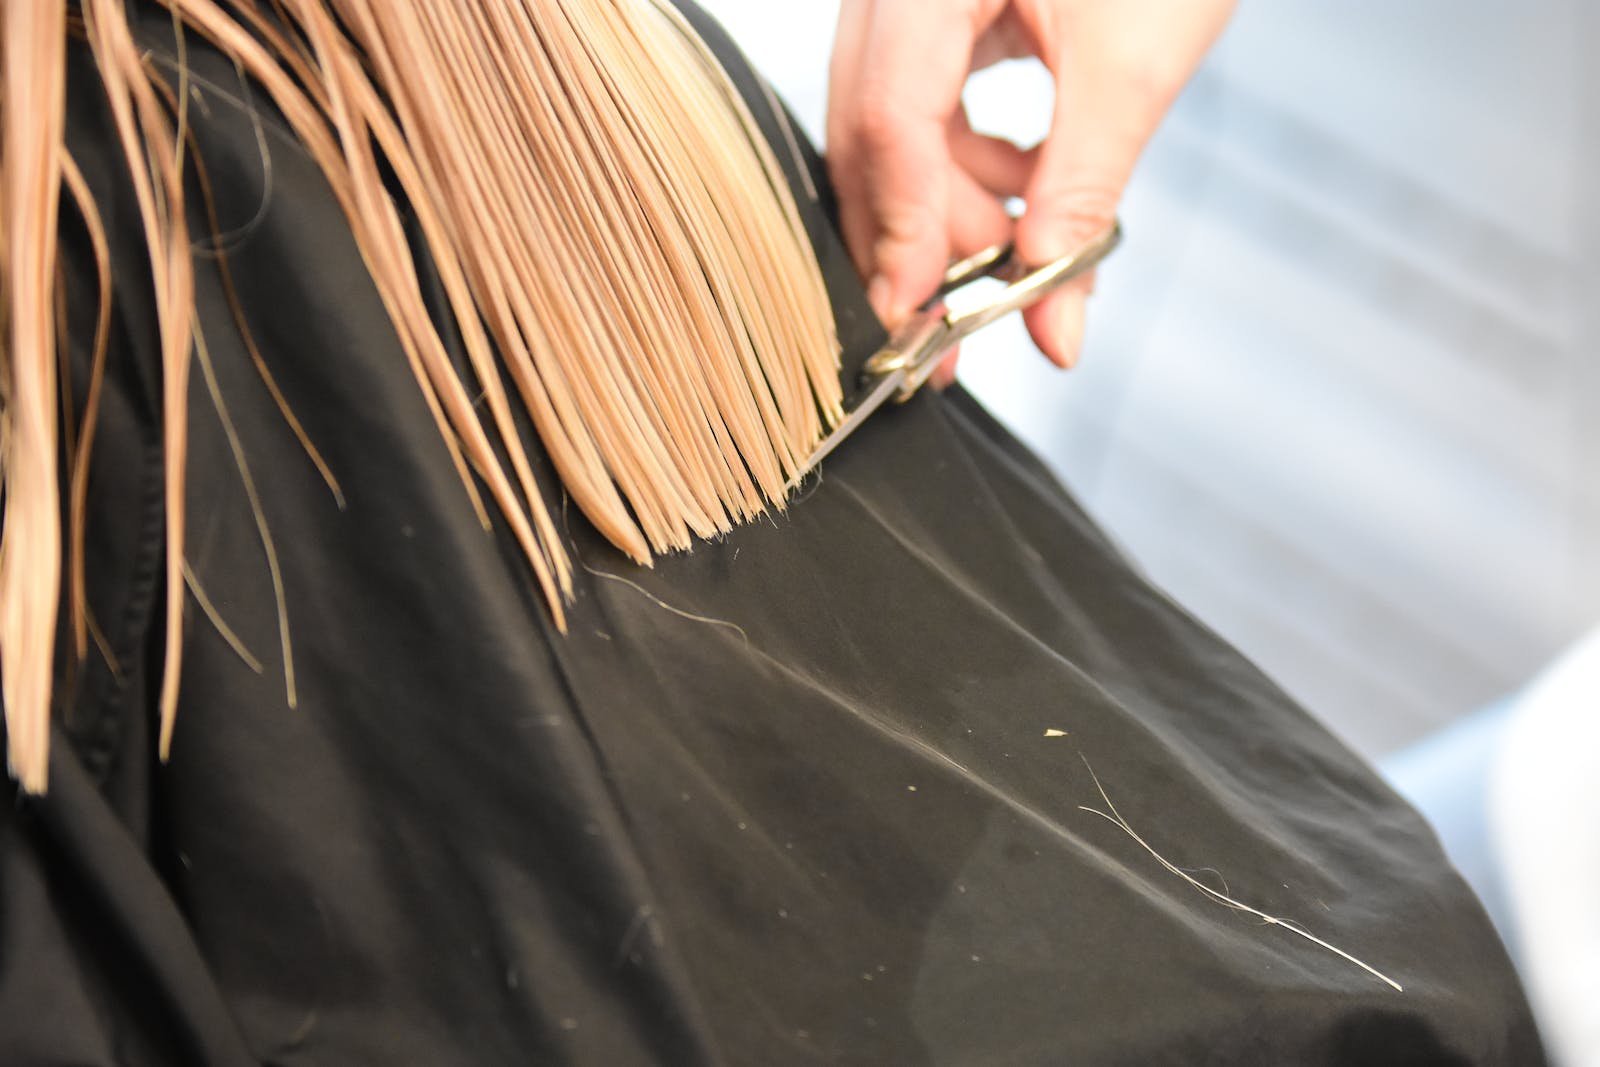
(613,233)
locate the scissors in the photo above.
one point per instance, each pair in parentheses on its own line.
(899,369)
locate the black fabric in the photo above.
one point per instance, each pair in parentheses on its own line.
(788,798)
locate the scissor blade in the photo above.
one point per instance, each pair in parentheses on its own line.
(881,391)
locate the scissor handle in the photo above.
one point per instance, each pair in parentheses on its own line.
(1026,288)
(917,349)
(996,261)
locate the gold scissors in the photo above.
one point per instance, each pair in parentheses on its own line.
(899,369)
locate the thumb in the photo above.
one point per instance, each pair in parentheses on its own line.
(1118,68)
(1095,138)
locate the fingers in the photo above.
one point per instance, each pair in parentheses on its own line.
(1058,323)
(1117,68)
(993,162)
(916,183)
(897,78)
(1097,131)
(974,219)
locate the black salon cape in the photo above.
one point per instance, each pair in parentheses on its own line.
(812,794)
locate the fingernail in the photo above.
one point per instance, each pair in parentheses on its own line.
(879,294)
(1070,321)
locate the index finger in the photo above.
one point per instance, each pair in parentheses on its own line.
(891,102)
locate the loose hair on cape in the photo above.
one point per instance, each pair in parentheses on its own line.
(618,244)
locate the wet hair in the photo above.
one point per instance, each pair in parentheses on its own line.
(618,244)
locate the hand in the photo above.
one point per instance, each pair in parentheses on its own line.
(918,187)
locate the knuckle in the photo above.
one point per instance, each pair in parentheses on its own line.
(1082,208)
(879,117)
(904,231)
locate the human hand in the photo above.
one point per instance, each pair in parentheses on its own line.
(918,186)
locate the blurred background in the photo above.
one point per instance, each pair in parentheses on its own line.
(1338,397)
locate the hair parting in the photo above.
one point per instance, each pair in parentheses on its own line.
(622,254)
